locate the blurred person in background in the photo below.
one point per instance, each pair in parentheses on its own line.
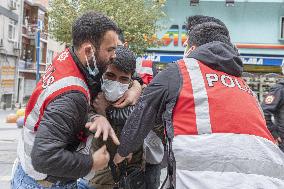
(273,109)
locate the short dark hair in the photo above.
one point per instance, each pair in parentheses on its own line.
(208,32)
(125,60)
(91,26)
(199,19)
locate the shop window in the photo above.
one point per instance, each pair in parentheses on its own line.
(282,28)
(12,30)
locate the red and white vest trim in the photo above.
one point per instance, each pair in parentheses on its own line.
(145,70)
(199,108)
(221,137)
(61,76)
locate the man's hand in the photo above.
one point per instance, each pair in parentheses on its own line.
(100,104)
(130,97)
(100,158)
(118,159)
(100,125)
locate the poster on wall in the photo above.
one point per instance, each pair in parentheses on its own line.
(7,81)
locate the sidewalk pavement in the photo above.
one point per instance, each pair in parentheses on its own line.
(9,134)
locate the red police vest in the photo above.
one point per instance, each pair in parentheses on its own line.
(145,71)
(61,76)
(212,101)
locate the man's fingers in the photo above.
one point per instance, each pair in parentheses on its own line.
(114,137)
(279,140)
(105,134)
(93,127)
(98,132)
(118,159)
(88,125)
(119,101)
(129,157)
(122,104)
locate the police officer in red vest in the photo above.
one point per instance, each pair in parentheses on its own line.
(216,133)
(53,150)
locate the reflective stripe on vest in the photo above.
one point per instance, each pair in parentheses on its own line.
(145,70)
(221,153)
(24,149)
(71,81)
(211,101)
(200,97)
(145,67)
(61,76)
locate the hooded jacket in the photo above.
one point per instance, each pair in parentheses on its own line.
(215,160)
(161,96)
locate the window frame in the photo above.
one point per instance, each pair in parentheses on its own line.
(281,31)
(12,34)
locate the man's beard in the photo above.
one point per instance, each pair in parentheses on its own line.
(102,64)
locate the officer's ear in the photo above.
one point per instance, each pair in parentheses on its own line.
(88,49)
(192,48)
(189,50)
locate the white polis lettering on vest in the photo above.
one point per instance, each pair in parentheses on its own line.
(225,78)
(226,81)
(211,78)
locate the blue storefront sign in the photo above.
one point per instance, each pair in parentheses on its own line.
(249,60)
(263,61)
(163,58)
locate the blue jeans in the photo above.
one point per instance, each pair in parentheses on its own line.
(83,184)
(21,180)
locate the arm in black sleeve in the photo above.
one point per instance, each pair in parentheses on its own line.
(270,106)
(54,152)
(149,110)
(92,114)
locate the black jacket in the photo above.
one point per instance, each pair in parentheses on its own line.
(158,99)
(54,151)
(273,105)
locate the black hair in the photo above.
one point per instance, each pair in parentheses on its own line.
(91,26)
(208,32)
(192,21)
(125,60)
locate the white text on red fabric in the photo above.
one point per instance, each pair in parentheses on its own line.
(227,81)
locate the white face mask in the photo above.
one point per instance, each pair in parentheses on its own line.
(113,90)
